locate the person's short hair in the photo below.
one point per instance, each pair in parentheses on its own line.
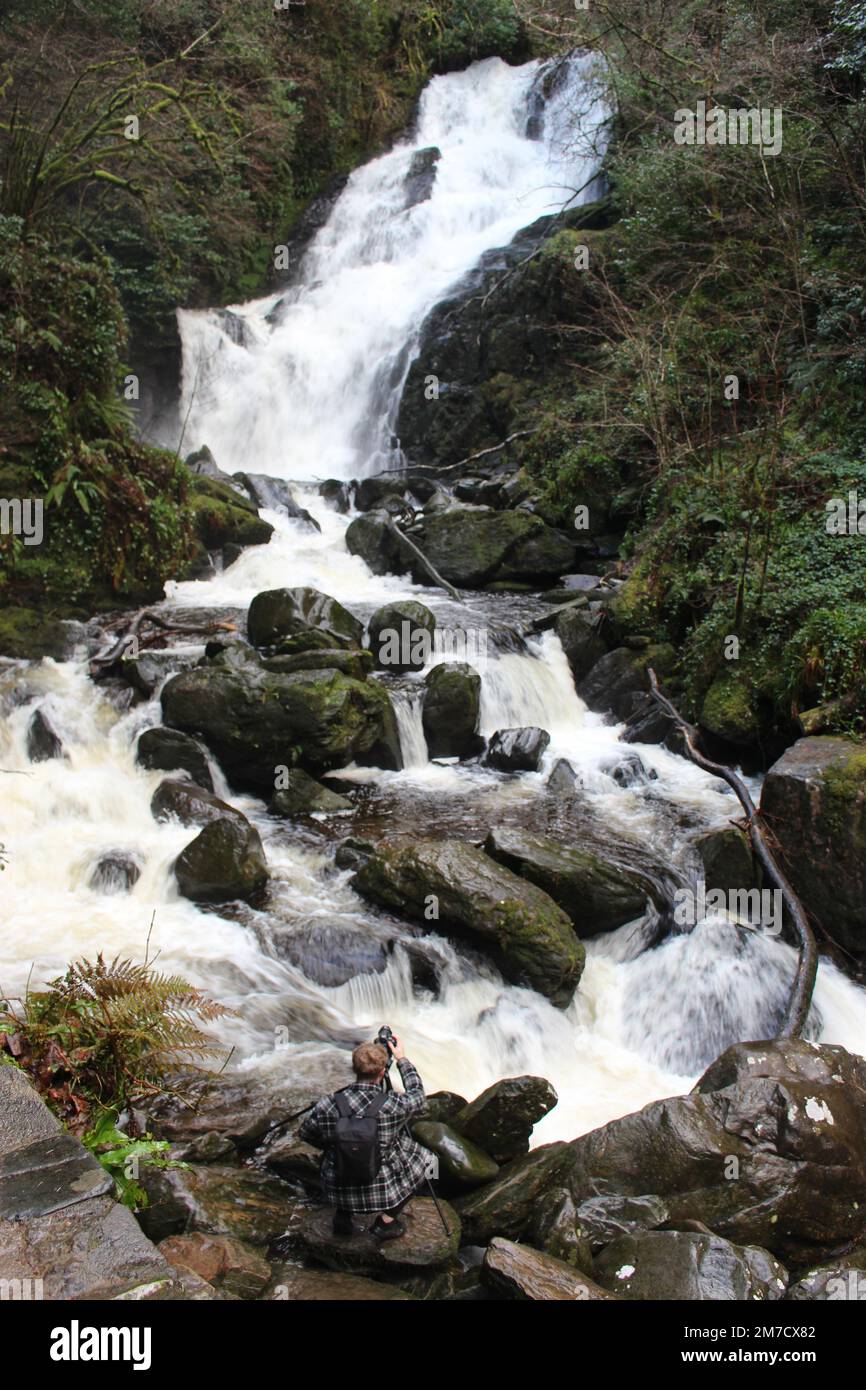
(368,1061)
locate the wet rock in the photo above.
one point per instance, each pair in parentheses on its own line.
(279,613)
(401,636)
(222,1262)
(302,796)
(596,895)
(517,750)
(202,464)
(451,711)
(502,1118)
(330,953)
(353,853)
(769,1150)
(507,1205)
(556,1229)
(210,1148)
(380,547)
(224,862)
(170,751)
(563,780)
(444,1105)
(421,175)
(516,1271)
(602,1219)
(242,1203)
(252,720)
(577,631)
(352,662)
(728,710)
(147,672)
(726,856)
(673,1265)
(191,804)
(372,492)
(336,494)
(814,801)
(620,678)
(424,1245)
(115,873)
(530,937)
(462,1164)
(43,743)
(647,723)
(222,516)
(289,1157)
(840,1280)
(277,496)
(329,1286)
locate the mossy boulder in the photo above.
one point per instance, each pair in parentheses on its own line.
(354,662)
(530,938)
(502,1118)
(596,895)
(727,859)
(29,636)
(256,720)
(222,516)
(280,613)
(814,801)
(728,710)
(224,862)
(462,1164)
(401,636)
(451,710)
(619,681)
(471,546)
(299,794)
(578,633)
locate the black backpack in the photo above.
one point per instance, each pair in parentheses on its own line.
(357,1141)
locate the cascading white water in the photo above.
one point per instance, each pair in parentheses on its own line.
(313,393)
(311,390)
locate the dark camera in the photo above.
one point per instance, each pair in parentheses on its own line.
(383,1038)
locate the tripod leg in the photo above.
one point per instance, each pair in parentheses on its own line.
(438,1208)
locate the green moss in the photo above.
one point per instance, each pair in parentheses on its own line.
(728,711)
(29,636)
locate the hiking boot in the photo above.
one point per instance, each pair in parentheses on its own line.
(387,1230)
(343,1224)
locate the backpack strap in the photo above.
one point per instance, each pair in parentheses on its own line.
(345,1110)
(377,1105)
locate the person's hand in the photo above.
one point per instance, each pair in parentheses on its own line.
(397,1049)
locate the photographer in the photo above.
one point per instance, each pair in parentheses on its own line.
(371,1162)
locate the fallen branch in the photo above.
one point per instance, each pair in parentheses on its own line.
(461,463)
(425,563)
(807,967)
(113,654)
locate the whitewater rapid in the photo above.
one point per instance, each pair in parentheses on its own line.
(308,388)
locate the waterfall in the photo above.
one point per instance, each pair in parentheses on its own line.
(306,384)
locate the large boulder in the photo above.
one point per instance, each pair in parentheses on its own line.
(191,805)
(222,516)
(222,1262)
(224,862)
(596,895)
(256,720)
(462,1164)
(424,1245)
(451,710)
(814,801)
(516,1271)
(674,1265)
(331,953)
(556,1229)
(277,496)
(517,750)
(769,1149)
(168,750)
(531,938)
(727,859)
(373,538)
(401,636)
(577,632)
(507,1206)
(278,613)
(502,1118)
(470,546)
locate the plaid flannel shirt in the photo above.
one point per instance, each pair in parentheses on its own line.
(404,1162)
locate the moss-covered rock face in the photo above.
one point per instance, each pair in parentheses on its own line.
(29,636)
(472,547)
(299,794)
(619,681)
(222,516)
(282,613)
(462,1164)
(452,708)
(529,936)
(728,710)
(814,801)
(256,720)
